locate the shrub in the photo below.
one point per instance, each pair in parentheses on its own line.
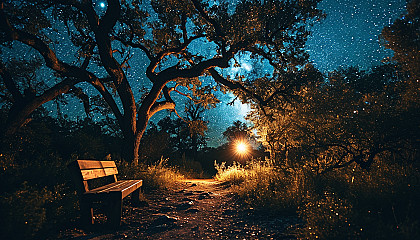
(353,204)
(24,211)
(347,203)
(262,186)
(35,196)
(327,218)
(154,176)
(234,174)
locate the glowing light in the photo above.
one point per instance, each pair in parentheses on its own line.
(102,4)
(246,66)
(243,109)
(242,148)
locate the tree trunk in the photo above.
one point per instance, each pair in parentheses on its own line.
(131,142)
(130,148)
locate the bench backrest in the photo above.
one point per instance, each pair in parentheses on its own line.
(84,170)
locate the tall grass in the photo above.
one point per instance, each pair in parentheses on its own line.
(263,186)
(155,176)
(346,203)
(32,209)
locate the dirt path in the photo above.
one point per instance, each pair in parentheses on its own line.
(193,209)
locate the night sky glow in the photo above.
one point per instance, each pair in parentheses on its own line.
(347,37)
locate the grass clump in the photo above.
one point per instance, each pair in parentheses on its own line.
(261,185)
(234,174)
(355,204)
(348,203)
(384,202)
(155,176)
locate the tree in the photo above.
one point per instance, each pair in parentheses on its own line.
(197,127)
(185,134)
(339,121)
(166,33)
(276,125)
(238,130)
(154,144)
(403,38)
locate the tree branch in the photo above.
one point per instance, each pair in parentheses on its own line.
(236,86)
(197,70)
(19,117)
(214,23)
(78,92)
(10,84)
(175,50)
(136,45)
(163,105)
(112,14)
(97,83)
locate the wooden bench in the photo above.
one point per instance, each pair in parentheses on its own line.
(110,195)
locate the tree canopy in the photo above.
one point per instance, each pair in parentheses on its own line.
(351,116)
(104,40)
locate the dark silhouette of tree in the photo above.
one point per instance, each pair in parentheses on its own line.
(183,135)
(155,144)
(403,38)
(340,121)
(238,130)
(165,32)
(197,126)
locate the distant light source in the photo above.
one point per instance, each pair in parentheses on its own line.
(102,4)
(247,66)
(242,148)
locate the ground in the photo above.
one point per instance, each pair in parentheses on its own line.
(192,209)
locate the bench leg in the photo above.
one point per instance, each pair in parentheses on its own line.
(86,213)
(115,210)
(135,197)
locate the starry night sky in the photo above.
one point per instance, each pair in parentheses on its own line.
(348,36)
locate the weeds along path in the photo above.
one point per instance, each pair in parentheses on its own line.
(193,209)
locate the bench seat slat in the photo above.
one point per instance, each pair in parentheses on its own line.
(116,186)
(125,187)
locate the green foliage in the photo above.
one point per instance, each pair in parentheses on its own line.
(354,116)
(238,130)
(35,199)
(327,218)
(350,143)
(35,19)
(182,140)
(336,126)
(37,196)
